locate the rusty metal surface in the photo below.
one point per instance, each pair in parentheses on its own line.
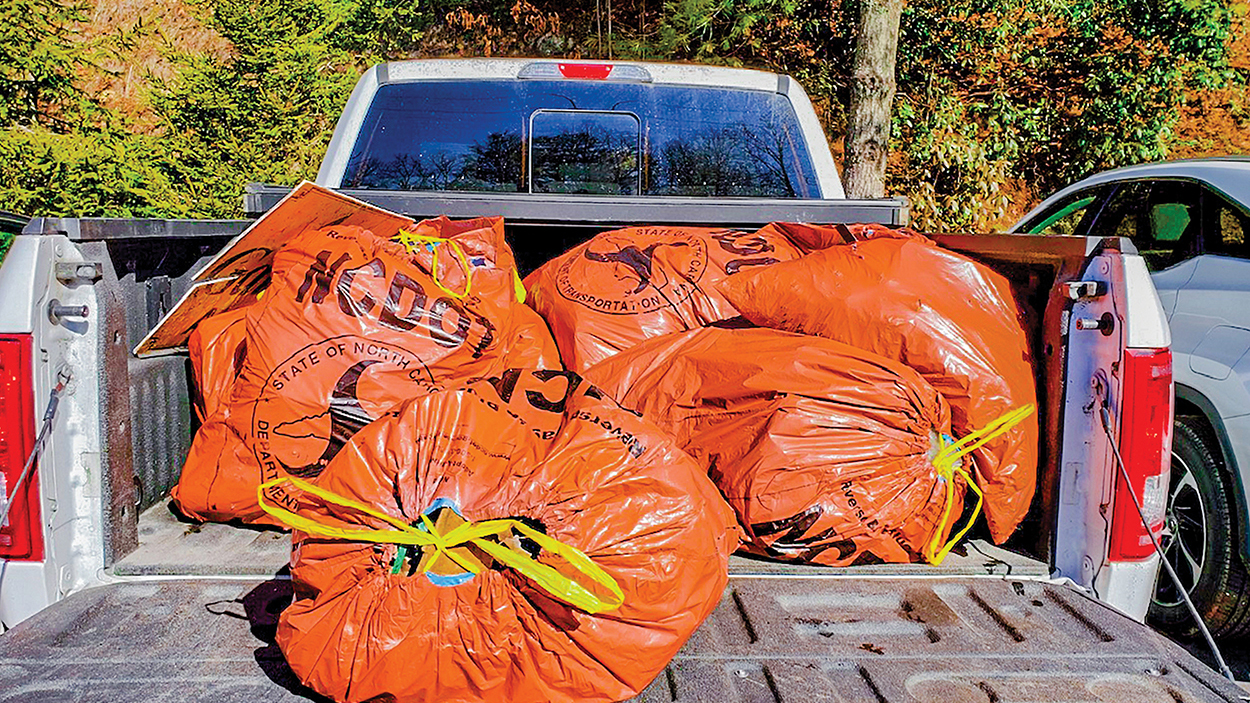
(155,391)
(772,639)
(117,479)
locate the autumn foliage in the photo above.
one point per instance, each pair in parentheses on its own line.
(999,101)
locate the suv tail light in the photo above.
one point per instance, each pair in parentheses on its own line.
(1145,446)
(21,536)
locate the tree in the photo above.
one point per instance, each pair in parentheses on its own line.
(872,92)
(40,55)
(496,161)
(404,172)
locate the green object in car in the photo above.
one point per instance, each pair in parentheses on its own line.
(1169,221)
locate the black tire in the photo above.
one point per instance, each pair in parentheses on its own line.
(1202,541)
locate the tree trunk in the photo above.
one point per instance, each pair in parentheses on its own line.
(872,92)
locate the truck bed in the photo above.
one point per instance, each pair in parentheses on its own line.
(774,637)
(169,546)
(191,610)
(195,609)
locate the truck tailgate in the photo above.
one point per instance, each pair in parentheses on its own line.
(773,638)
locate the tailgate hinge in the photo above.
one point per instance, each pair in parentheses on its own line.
(79,273)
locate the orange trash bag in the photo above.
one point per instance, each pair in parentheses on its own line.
(828,454)
(809,238)
(948,317)
(628,285)
(522,538)
(351,325)
(216,347)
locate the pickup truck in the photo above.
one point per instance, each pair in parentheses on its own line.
(106,595)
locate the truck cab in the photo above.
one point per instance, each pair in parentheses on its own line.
(520,126)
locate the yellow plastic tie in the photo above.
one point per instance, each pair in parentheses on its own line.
(949,464)
(518,286)
(411,241)
(476,533)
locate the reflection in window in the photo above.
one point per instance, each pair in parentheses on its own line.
(490,164)
(1231,231)
(472,135)
(1161,217)
(1169,221)
(1127,227)
(730,161)
(1230,224)
(494,163)
(584,152)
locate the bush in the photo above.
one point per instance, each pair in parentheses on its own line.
(96,172)
(1001,92)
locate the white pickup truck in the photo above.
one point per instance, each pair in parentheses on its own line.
(105,595)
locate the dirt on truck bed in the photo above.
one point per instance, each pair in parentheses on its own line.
(773,638)
(196,617)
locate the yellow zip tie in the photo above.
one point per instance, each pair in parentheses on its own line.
(411,241)
(949,465)
(475,533)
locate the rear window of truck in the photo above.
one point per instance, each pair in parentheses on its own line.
(581,137)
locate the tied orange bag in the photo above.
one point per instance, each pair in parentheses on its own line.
(217,348)
(351,325)
(948,317)
(828,454)
(628,285)
(517,539)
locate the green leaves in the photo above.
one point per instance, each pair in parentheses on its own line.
(1046,93)
(999,101)
(264,112)
(87,173)
(39,57)
(718,31)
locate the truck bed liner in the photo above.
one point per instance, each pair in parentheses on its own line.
(171,547)
(876,640)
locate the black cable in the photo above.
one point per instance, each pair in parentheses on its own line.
(1115,447)
(54,399)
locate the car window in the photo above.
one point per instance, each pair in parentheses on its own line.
(1068,216)
(474,135)
(1226,227)
(1161,217)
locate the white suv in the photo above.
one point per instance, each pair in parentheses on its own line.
(1190,220)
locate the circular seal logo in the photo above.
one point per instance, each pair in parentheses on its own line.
(635,271)
(322,395)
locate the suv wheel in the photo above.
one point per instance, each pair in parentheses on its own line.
(1199,542)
